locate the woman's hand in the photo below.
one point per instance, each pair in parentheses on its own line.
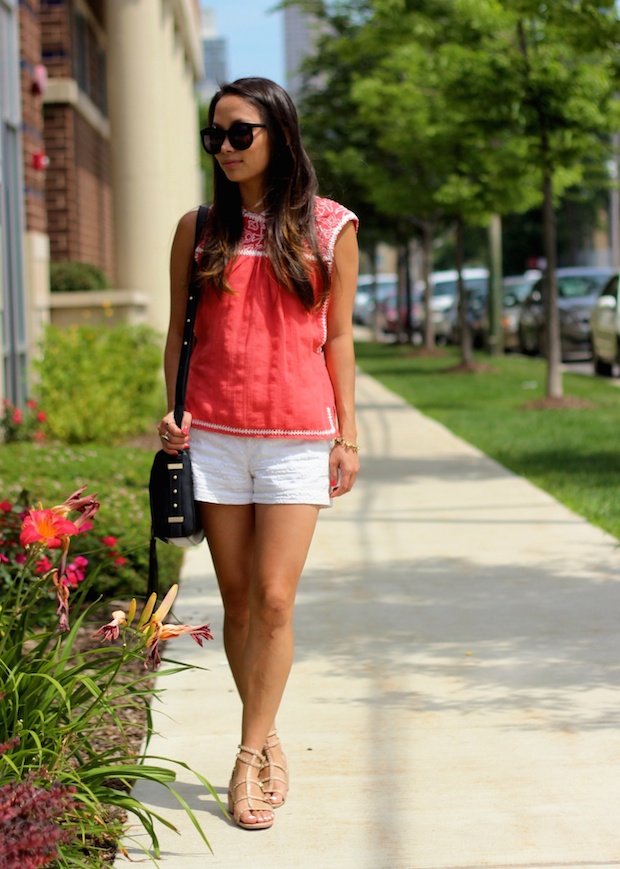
(344,466)
(173,438)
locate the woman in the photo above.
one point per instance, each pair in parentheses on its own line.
(270,397)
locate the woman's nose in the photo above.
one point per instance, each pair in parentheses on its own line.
(226,146)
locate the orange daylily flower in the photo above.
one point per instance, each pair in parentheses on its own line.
(150,624)
(198,633)
(46,526)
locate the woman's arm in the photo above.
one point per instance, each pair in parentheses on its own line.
(180,273)
(340,357)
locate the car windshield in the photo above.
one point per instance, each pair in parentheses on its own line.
(474,286)
(444,288)
(574,286)
(519,290)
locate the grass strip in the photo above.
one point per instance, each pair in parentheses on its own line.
(571,453)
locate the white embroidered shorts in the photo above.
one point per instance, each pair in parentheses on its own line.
(240,470)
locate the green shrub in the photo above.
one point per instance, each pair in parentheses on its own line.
(73,277)
(100,383)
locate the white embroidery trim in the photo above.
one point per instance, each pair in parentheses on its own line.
(346,218)
(271,432)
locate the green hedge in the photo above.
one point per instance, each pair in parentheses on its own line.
(100,384)
(73,277)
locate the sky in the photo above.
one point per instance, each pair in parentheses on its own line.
(255,37)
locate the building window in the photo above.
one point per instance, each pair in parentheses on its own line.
(90,68)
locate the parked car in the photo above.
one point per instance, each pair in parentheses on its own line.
(392,316)
(444,301)
(515,289)
(366,299)
(578,289)
(605,328)
(476,314)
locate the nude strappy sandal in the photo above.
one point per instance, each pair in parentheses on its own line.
(251,794)
(274,776)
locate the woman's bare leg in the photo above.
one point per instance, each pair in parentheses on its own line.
(282,538)
(259,552)
(230,534)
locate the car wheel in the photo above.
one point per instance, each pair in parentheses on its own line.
(604,369)
(524,344)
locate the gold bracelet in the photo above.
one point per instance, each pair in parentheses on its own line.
(340,442)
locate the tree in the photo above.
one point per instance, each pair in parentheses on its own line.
(565,73)
(453,110)
(421,102)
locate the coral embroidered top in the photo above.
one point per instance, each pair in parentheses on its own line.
(257,368)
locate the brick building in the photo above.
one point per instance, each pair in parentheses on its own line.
(98,153)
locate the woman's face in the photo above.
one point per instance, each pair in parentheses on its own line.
(247,166)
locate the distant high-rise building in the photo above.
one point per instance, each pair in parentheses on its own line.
(299,36)
(214,57)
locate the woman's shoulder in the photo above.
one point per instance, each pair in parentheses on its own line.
(328,209)
(331,219)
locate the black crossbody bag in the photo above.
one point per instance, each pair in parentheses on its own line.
(175,515)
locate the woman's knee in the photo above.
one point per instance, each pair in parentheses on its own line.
(272,605)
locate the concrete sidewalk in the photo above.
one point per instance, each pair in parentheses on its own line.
(454,701)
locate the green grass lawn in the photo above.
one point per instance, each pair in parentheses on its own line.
(572,454)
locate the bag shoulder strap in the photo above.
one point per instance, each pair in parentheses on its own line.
(190,318)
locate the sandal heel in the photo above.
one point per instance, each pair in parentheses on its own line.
(276,780)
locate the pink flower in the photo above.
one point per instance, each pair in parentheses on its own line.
(6,506)
(47,527)
(39,436)
(3,558)
(31,404)
(18,416)
(43,565)
(119,561)
(41,416)
(20,558)
(109,541)
(75,571)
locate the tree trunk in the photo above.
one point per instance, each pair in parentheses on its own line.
(408,331)
(495,342)
(465,333)
(427,270)
(550,292)
(403,278)
(374,317)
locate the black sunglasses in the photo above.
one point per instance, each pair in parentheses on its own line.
(240,135)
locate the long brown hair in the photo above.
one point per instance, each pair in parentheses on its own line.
(290,191)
